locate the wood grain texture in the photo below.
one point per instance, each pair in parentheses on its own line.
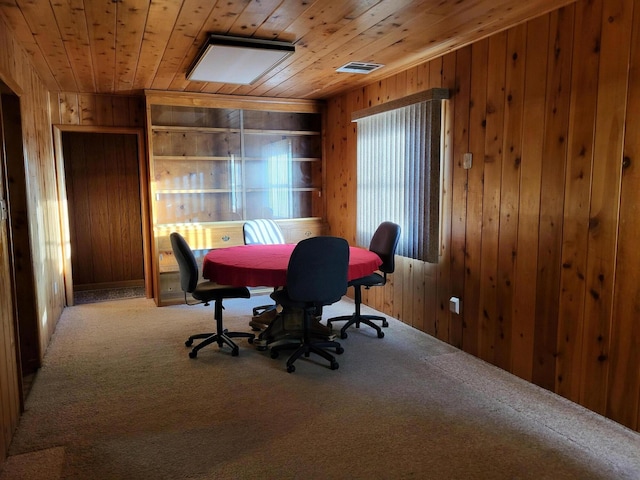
(584,89)
(18,73)
(102,183)
(623,388)
(605,200)
(126,47)
(542,249)
(551,195)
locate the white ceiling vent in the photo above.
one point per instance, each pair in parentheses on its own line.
(359,67)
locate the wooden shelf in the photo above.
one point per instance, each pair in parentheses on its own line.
(184,129)
(200,146)
(178,191)
(201,158)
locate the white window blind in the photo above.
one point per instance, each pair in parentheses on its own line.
(399,176)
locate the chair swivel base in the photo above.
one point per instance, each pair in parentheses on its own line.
(307,349)
(356,320)
(220,338)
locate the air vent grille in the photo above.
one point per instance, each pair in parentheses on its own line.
(359,67)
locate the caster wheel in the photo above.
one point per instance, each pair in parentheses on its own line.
(251,341)
(385,324)
(380,334)
(261,349)
(274,354)
(235,352)
(343,335)
(329,325)
(334,365)
(193,354)
(291,368)
(339,350)
(188,343)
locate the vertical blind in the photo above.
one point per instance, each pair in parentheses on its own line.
(399,176)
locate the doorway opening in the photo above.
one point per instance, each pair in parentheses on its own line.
(103,198)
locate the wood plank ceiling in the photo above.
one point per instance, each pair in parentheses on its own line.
(126,46)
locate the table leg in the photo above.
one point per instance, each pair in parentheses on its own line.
(287,327)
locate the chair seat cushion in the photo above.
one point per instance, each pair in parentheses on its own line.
(207,291)
(373,280)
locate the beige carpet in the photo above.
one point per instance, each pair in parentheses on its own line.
(119,398)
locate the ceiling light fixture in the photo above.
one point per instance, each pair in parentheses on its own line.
(237,60)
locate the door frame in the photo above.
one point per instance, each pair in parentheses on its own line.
(58,130)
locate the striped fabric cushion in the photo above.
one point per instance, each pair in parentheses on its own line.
(262,231)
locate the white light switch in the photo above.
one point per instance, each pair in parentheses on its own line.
(454,305)
(467,160)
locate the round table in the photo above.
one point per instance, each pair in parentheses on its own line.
(266,265)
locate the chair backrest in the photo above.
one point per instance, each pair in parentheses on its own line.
(186,262)
(317,271)
(262,231)
(384,242)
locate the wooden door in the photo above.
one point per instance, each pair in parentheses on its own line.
(103,201)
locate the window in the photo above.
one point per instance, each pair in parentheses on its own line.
(280,178)
(399,172)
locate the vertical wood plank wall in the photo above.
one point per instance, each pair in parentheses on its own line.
(81,109)
(43,220)
(539,237)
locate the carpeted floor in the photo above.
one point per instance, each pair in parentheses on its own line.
(82,297)
(119,398)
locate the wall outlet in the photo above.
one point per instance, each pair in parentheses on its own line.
(454,305)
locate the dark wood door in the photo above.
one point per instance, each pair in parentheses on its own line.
(103,195)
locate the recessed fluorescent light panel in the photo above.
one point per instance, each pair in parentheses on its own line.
(237,60)
(359,67)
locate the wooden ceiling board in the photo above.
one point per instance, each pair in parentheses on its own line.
(254,15)
(374,23)
(189,23)
(130,23)
(127,46)
(275,27)
(161,18)
(42,23)
(75,35)
(16,22)
(101,19)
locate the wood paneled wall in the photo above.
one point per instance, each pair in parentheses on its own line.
(539,236)
(85,109)
(43,221)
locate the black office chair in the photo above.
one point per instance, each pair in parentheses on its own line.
(384,242)
(206,292)
(262,231)
(316,276)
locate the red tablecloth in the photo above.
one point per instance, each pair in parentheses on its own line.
(266,265)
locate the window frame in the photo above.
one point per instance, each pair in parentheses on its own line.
(424,244)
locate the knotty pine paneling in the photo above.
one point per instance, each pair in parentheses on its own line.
(85,109)
(43,220)
(539,237)
(584,85)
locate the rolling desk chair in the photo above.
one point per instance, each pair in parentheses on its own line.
(316,276)
(384,242)
(206,292)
